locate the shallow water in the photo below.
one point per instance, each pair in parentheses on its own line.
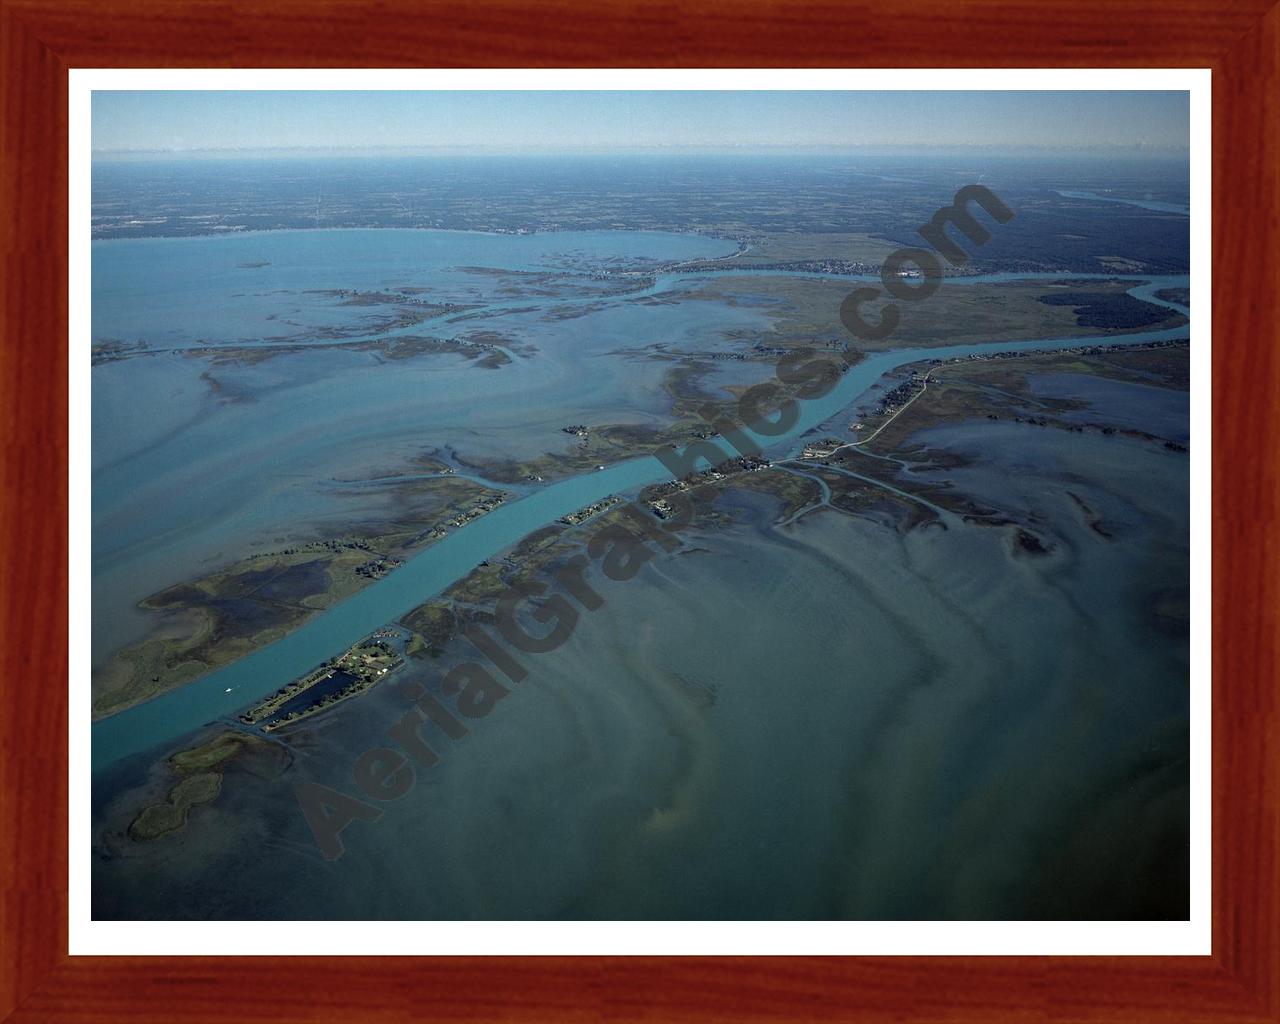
(181,290)
(1161,411)
(829,719)
(182,491)
(195,463)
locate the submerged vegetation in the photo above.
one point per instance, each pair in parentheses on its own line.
(826,700)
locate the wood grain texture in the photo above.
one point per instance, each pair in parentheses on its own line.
(40,40)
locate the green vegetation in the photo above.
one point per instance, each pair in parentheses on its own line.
(998,389)
(481,346)
(806,311)
(433,625)
(365,665)
(219,749)
(859,481)
(169,816)
(1108,310)
(838,248)
(214,620)
(199,771)
(602,446)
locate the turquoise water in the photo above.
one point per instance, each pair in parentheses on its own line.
(268,285)
(198,460)
(188,475)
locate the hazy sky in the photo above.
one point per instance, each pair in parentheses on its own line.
(567,121)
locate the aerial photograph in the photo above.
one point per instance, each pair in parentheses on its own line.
(640,505)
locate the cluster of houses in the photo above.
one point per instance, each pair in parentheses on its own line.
(334,546)
(822,449)
(574,518)
(800,266)
(485,504)
(899,396)
(661,507)
(378,567)
(365,664)
(1075,350)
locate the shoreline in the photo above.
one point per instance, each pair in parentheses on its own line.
(438,231)
(579,491)
(116,725)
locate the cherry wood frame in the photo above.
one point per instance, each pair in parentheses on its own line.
(41,39)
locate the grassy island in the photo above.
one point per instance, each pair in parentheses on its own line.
(212,621)
(199,777)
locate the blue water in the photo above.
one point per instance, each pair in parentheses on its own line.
(198,460)
(225,691)
(1162,411)
(189,291)
(330,685)
(1143,204)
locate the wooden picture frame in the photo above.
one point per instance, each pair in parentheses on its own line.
(1238,39)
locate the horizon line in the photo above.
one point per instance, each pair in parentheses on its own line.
(833,149)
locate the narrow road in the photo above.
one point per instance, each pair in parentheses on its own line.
(874,434)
